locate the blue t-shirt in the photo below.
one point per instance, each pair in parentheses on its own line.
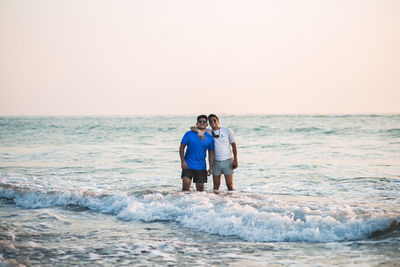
(196,148)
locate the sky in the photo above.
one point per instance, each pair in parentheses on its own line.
(95,57)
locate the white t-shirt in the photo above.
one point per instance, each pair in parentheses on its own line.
(222,144)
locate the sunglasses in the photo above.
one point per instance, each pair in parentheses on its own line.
(214,135)
(202,121)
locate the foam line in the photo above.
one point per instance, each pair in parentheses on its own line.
(240,216)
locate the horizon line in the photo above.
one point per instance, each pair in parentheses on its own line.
(196,114)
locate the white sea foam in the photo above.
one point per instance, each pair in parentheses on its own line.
(241,216)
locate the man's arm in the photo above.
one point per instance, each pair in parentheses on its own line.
(199,132)
(182,155)
(210,161)
(235,163)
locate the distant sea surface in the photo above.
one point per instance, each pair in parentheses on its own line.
(310,190)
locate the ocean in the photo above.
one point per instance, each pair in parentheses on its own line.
(106,191)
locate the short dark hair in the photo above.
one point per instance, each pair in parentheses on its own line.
(213,115)
(201,117)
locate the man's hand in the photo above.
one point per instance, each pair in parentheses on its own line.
(235,164)
(184,165)
(199,132)
(201,135)
(209,172)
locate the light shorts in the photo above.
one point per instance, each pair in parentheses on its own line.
(223,167)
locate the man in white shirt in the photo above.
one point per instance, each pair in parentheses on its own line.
(225,152)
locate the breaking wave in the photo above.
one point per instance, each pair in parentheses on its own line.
(240,215)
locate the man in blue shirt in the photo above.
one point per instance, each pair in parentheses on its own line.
(193,162)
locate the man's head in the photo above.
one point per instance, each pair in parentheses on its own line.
(202,122)
(214,121)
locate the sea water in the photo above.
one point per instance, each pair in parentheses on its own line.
(310,190)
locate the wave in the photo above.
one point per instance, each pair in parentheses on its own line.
(250,218)
(314,130)
(305,129)
(392,231)
(395,132)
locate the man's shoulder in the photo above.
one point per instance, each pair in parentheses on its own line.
(226,129)
(190,133)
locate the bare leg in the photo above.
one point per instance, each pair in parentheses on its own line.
(186,181)
(229,182)
(217,181)
(199,187)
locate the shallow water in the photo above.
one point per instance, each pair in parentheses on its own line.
(310,190)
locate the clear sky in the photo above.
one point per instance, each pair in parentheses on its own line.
(81,57)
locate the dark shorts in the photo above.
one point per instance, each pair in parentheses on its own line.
(199,176)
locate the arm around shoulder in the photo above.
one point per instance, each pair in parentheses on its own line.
(199,132)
